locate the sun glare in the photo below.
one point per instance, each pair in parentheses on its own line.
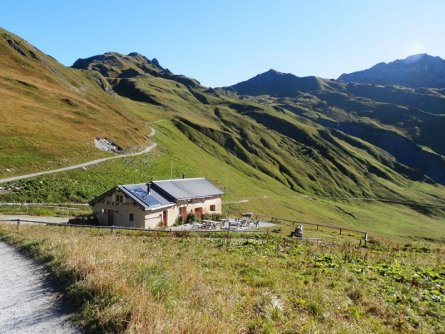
(416,47)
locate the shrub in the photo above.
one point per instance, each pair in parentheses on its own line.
(191,218)
(179,221)
(355,295)
(212,216)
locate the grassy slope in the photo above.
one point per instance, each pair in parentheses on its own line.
(50,114)
(142,284)
(240,182)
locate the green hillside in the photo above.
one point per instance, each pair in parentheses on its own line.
(404,122)
(51,114)
(281,154)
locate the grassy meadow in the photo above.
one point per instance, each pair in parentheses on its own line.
(126,282)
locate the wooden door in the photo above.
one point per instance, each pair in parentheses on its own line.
(183,212)
(110,217)
(198,212)
(165,218)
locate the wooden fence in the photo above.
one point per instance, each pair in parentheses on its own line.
(295,222)
(119,228)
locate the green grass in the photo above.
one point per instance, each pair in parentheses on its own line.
(239,181)
(37,210)
(137,283)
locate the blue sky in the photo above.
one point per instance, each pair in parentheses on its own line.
(224,42)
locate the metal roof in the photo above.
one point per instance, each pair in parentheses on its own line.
(181,189)
(164,193)
(149,200)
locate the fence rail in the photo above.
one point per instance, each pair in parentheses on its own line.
(113,228)
(294,222)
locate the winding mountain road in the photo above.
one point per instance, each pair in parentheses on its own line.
(150,148)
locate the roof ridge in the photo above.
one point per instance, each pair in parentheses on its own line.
(132,184)
(186,179)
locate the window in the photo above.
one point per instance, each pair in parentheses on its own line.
(131,217)
(119,198)
(213,207)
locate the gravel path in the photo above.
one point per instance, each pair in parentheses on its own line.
(28,302)
(85,164)
(46,219)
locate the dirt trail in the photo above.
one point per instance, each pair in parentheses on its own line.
(82,165)
(28,302)
(46,219)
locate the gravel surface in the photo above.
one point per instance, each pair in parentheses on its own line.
(189,227)
(28,301)
(46,219)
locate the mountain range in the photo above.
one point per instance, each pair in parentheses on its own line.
(400,120)
(416,71)
(364,135)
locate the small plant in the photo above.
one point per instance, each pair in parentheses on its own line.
(314,309)
(355,295)
(354,313)
(179,221)
(212,216)
(192,218)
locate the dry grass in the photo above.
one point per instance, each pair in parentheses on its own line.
(126,282)
(51,114)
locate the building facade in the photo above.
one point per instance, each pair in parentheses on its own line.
(157,204)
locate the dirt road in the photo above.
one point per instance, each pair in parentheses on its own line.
(46,219)
(150,148)
(28,302)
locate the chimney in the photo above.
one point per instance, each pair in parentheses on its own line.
(148,187)
(183,175)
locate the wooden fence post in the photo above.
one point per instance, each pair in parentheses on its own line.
(18,223)
(340,231)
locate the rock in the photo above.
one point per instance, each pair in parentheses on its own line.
(106,145)
(16,47)
(156,62)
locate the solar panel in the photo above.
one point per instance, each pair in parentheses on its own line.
(178,189)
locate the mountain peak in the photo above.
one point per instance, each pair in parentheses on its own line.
(134,54)
(274,71)
(417,57)
(420,70)
(114,64)
(276,83)
(156,62)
